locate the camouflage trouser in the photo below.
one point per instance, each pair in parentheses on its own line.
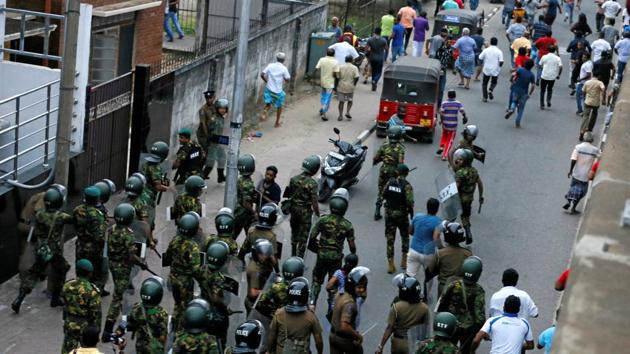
(323,266)
(242,221)
(465,338)
(95,256)
(396,220)
(301,221)
(143,346)
(384,174)
(183,288)
(120,276)
(466,209)
(72,335)
(58,269)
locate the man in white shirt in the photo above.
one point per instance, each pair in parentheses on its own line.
(551,66)
(582,159)
(274,76)
(586,71)
(492,59)
(509,280)
(600,45)
(611,9)
(342,50)
(509,333)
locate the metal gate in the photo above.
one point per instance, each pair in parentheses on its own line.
(108,129)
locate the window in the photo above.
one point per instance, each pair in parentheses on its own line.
(104,55)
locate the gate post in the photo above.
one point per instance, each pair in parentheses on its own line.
(139,116)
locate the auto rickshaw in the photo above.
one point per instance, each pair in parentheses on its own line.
(455,20)
(414,83)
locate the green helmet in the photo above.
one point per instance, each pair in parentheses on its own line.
(194,185)
(465,155)
(141,176)
(159,152)
(444,324)
(402,169)
(394,133)
(471,269)
(85,265)
(107,188)
(292,268)
(188,224)
(339,201)
(246,164)
(91,195)
(134,186)
(124,214)
(224,222)
(222,103)
(53,199)
(311,164)
(195,319)
(151,292)
(217,254)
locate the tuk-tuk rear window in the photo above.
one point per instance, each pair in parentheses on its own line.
(409,91)
(453,30)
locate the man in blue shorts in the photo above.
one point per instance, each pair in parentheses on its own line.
(275,75)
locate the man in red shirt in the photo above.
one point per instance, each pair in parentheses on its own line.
(542,44)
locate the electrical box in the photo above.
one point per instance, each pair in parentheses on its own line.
(320,41)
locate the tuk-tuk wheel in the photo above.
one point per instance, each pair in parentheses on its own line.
(381,132)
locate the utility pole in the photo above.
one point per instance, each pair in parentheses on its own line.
(238,103)
(66,95)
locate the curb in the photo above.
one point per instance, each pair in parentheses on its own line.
(364,135)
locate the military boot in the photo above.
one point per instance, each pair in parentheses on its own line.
(391,268)
(403,261)
(468,234)
(220,172)
(206,172)
(108,331)
(55,300)
(377,212)
(15,305)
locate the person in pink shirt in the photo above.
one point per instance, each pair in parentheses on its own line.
(407,15)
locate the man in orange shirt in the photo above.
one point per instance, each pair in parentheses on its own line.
(407,15)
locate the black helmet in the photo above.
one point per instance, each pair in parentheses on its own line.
(394,133)
(188,224)
(222,103)
(91,195)
(246,164)
(159,152)
(224,222)
(444,324)
(134,186)
(298,293)
(124,213)
(357,276)
(409,288)
(267,216)
(262,248)
(195,319)
(107,188)
(293,267)
(454,232)
(194,185)
(465,155)
(470,131)
(311,164)
(471,269)
(247,337)
(217,254)
(53,198)
(151,292)
(339,201)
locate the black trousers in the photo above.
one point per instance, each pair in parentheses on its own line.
(484,84)
(408,32)
(546,86)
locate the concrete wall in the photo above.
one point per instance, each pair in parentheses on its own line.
(594,311)
(217,72)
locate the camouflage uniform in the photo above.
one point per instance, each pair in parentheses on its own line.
(245,193)
(273,298)
(83,308)
(229,239)
(142,210)
(391,154)
(49,234)
(334,229)
(469,310)
(191,157)
(200,343)
(149,324)
(303,189)
(121,250)
(185,266)
(253,235)
(398,195)
(212,284)
(437,346)
(90,225)
(185,203)
(466,178)
(154,173)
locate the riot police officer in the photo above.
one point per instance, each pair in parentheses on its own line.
(195,339)
(465,299)
(147,319)
(444,327)
(276,296)
(467,179)
(189,159)
(391,154)
(107,187)
(247,336)
(224,224)
(189,201)
(212,284)
(344,336)
(134,187)
(334,230)
(157,180)
(398,195)
(469,134)
(267,217)
(246,196)
(449,259)
(258,271)
(293,325)
(302,193)
(210,129)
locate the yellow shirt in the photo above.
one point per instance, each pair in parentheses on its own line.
(521,42)
(327,68)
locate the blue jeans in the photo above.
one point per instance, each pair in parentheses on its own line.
(518,100)
(377,70)
(397,51)
(621,67)
(442,87)
(172,15)
(534,54)
(568,11)
(506,17)
(578,96)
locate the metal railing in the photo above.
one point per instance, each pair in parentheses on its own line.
(15,137)
(26,25)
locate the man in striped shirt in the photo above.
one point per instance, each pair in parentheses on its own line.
(449,113)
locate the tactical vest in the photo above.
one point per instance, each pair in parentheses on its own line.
(194,159)
(394,194)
